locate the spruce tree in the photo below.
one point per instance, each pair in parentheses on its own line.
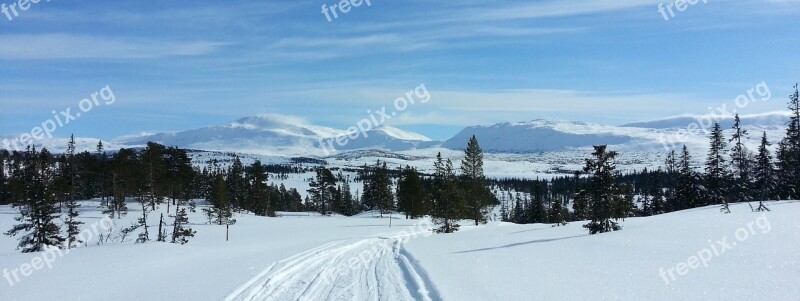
(447,207)
(347,204)
(220,211)
(657,197)
(557,213)
(411,195)
(155,171)
(476,192)
(537,213)
(671,166)
(789,152)
(258,197)
(71,221)
(717,174)
(378,189)
(765,182)
(580,199)
(322,190)
(237,180)
(602,190)
(741,163)
(688,192)
(518,214)
(38,209)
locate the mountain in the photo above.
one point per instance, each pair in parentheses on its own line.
(769,120)
(546,135)
(651,136)
(283,135)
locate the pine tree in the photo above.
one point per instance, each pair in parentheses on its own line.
(765,182)
(688,192)
(740,163)
(789,152)
(155,170)
(557,213)
(378,189)
(602,190)
(141,222)
(71,221)
(258,197)
(322,190)
(537,213)
(180,232)
(237,180)
(518,214)
(347,204)
(411,195)
(671,165)
(504,210)
(104,175)
(717,175)
(657,197)
(73,225)
(580,200)
(476,192)
(38,209)
(220,211)
(448,204)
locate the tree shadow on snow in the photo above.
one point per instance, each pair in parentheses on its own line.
(521,244)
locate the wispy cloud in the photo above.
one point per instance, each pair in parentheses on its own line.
(69,46)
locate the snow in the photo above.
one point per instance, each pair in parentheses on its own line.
(308,257)
(271,134)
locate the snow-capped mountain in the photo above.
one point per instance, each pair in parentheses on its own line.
(277,134)
(546,135)
(767,121)
(651,136)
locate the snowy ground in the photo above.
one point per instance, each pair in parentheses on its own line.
(749,256)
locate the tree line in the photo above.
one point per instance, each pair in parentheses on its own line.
(732,173)
(45,189)
(448,196)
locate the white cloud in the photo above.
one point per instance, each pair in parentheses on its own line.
(68,46)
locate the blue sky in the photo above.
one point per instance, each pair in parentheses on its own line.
(176,65)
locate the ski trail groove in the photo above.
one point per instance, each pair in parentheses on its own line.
(372,269)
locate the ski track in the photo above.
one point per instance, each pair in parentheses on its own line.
(371,269)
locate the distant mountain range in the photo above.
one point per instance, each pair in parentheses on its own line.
(278,135)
